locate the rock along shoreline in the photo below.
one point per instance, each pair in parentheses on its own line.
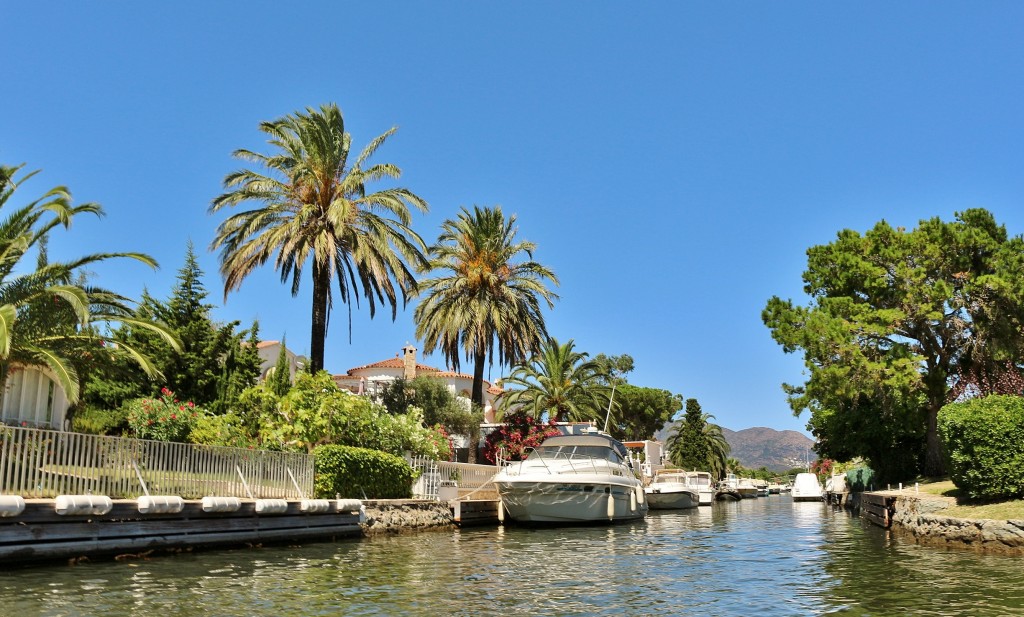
(397,516)
(921,519)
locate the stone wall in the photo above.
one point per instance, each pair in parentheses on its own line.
(922,519)
(384,516)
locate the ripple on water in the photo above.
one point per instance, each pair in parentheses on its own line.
(767,556)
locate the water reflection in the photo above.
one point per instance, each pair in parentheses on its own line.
(767,556)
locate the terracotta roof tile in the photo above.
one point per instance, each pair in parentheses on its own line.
(452,374)
(394,363)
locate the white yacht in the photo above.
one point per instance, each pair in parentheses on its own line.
(806,487)
(572,479)
(705,485)
(670,490)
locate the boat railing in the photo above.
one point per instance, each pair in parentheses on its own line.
(577,463)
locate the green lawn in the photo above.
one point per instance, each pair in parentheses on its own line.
(1000,510)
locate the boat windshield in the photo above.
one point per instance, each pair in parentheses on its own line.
(575,452)
(668,477)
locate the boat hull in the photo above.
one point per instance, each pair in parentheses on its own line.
(577,501)
(679,499)
(806,488)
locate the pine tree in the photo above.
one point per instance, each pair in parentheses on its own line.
(197,372)
(240,369)
(280,380)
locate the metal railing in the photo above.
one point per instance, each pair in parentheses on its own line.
(433,474)
(37,463)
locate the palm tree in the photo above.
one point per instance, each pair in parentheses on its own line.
(696,442)
(719,449)
(49,316)
(313,206)
(485,300)
(560,381)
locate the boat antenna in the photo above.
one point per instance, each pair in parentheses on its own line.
(608,416)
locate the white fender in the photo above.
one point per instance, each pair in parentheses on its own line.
(161,504)
(83,505)
(271,506)
(611,506)
(221,504)
(11,505)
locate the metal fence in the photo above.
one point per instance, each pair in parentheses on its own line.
(470,479)
(37,463)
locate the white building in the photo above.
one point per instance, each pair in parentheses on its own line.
(269,352)
(33,397)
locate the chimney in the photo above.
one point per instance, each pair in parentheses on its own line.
(409,356)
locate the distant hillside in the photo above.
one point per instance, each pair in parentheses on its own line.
(766,447)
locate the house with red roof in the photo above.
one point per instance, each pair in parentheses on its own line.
(371,378)
(269,351)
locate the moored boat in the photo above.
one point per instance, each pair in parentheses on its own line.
(746,488)
(705,485)
(670,490)
(806,487)
(584,478)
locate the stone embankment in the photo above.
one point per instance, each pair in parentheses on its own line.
(921,518)
(394,516)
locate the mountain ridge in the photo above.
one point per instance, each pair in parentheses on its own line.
(760,446)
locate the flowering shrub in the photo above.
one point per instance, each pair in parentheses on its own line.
(520,431)
(162,419)
(823,468)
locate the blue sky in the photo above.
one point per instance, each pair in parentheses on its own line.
(672,161)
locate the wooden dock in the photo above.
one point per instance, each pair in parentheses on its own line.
(877,508)
(478,512)
(40,534)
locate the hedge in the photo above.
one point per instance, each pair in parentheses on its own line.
(360,473)
(984,443)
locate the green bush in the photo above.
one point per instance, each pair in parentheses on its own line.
(225,430)
(316,412)
(360,473)
(96,421)
(984,443)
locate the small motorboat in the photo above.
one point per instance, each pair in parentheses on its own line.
(670,490)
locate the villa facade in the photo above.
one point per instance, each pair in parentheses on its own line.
(370,379)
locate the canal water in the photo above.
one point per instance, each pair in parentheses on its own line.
(767,556)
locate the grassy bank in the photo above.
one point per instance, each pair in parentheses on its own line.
(999,510)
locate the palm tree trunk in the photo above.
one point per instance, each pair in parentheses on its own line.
(478,379)
(318,334)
